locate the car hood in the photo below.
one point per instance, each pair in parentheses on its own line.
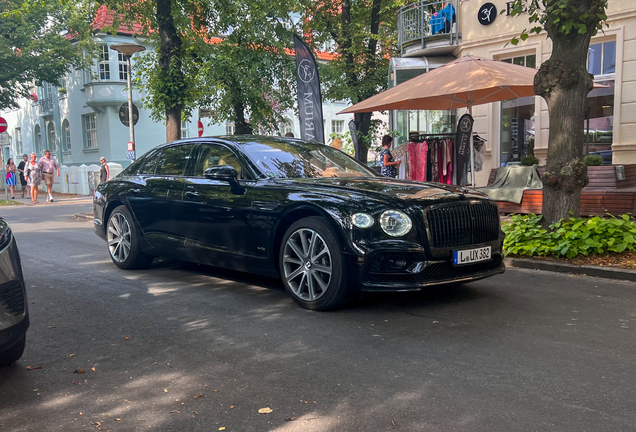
(392,189)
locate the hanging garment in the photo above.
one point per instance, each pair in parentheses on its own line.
(401,154)
(440,162)
(413,150)
(423,150)
(429,162)
(435,162)
(449,173)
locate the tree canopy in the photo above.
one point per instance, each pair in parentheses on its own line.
(228,56)
(365,33)
(41,40)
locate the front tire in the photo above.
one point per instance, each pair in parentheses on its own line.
(124,241)
(312,265)
(14,353)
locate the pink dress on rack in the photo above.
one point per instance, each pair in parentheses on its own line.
(449,173)
(421,175)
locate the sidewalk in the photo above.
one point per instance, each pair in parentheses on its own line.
(58,198)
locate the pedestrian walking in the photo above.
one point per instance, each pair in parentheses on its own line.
(386,158)
(11,170)
(48,165)
(21,168)
(104,171)
(33,173)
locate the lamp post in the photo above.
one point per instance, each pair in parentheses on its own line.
(127,50)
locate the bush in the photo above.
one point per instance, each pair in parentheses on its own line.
(529,160)
(569,237)
(593,160)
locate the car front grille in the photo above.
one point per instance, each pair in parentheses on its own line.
(12,297)
(439,272)
(463,225)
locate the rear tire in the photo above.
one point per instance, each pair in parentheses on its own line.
(14,353)
(312,265)
(124,241)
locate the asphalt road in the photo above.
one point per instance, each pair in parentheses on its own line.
(190,348)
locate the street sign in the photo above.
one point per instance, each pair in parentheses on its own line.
(3,125)
(4,139)
(130,154)
(130,146)
(200,125)
(123,114)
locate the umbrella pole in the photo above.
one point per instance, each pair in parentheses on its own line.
(472,151)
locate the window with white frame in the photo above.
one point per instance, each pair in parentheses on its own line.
(529,60)
(286,127)
(90,130)
(37,138)
(229,128)
(18,140)
(66,135)
(50,136)
(337,126)
(104,63)
(601,58)
(517,133)
(123,67)
(64,82)
(184,129)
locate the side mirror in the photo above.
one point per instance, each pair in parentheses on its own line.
(221,172)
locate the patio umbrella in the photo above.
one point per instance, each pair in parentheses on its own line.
(462,83)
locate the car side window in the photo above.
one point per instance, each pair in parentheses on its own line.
(214,155)
(148,165)
(173,160)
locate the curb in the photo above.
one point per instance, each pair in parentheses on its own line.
(602,272)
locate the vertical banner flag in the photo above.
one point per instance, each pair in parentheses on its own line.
(309,97)
(464,131)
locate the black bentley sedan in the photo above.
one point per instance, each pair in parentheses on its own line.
(305,212)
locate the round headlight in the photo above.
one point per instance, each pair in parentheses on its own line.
(362,220)
(395,223)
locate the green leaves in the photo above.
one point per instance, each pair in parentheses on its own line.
(36,43)
(569,237)
(560,16)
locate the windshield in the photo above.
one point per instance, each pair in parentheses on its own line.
(293,160)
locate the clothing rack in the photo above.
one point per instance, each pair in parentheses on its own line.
(424,137)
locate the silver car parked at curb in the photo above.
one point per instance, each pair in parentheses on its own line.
(14,315)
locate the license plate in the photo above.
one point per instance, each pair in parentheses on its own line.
(470,256)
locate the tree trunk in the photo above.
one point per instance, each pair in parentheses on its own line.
(563,81)
(170,65)
(173,124)
(241,126)
(363,124)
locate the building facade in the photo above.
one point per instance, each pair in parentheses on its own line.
(518,127)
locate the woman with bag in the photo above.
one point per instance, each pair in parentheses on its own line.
(11,169)
(33,173)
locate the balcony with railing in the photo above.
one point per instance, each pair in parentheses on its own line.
(45,106)
(428,27)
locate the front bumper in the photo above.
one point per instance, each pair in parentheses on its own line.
(14,315)
(410,269)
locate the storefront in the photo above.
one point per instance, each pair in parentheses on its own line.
(517,128)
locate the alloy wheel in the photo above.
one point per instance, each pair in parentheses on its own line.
(307,264)
(119,237)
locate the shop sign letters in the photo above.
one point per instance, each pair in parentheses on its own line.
(527,4)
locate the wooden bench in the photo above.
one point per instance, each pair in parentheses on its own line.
(604,194)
